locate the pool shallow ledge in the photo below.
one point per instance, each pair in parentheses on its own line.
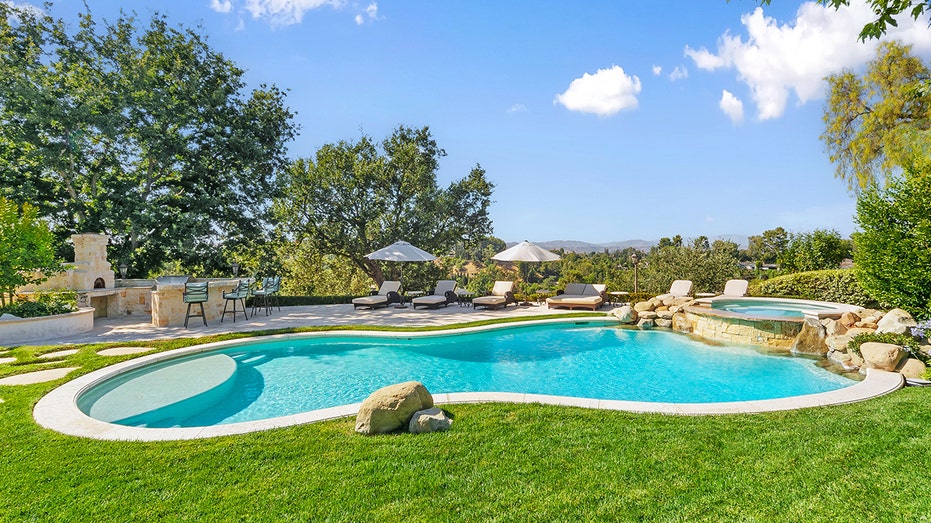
(58,409)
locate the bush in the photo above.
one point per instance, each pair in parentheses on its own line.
(314,300)
(43,304)
(838,285)
(892,255)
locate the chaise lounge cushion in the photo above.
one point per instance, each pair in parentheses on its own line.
(581,295)
(444,294)
(501,294)
(388,293)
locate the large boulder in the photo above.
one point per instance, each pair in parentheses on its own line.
(648,315)
(429,420)
(664,323)
(811,340)
(391,408)
(912,368)
(859,330)
(884,356)
(896,321)
(849,319)
(838,343)
(625,314)
(645,324)
(643,306)
(834,327)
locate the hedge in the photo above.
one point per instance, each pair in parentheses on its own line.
(837,285)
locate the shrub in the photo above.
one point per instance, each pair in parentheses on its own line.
(48,303)
(892,255)
(838,285)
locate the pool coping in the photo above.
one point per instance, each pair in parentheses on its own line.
(58,409)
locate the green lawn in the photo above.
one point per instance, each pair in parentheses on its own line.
(500,462)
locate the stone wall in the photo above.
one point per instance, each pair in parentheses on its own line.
(767,333)
(168,307)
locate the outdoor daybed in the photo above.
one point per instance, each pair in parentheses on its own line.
(388,293)
(444,294)
(579,295)
(501,294)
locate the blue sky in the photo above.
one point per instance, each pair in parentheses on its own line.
(596,121)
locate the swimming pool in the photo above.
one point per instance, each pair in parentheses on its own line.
(270,379)
(779,308)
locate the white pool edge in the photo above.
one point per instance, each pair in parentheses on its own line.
(58,409)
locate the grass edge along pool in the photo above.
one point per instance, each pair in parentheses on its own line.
(218,373)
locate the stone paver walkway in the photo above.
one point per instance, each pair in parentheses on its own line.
(39,376)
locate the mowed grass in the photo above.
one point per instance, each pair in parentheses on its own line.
(500,462)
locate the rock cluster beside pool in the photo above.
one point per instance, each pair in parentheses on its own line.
(872,355)
(407,405)
(826,337)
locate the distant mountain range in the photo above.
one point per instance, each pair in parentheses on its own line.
(642,245)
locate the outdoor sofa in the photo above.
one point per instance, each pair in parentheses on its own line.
(579,295)
(501,295)
(443,294)
(388,293)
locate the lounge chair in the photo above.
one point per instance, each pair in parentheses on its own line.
(678,289)
(501,294)
(579,295)
(387,294)
(732,289)
(735,288)
(444,294)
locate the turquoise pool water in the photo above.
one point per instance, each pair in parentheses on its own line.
(768,307)
(581,360)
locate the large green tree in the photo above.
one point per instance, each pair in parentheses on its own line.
(877,122)
(816,250)
(353,198)
(893,255)
(769,246)
(140,131)
(26,248)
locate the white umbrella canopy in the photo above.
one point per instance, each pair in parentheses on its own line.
(401,251)
(526,251)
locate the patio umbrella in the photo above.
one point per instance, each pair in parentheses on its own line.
(401,251)
(526,251)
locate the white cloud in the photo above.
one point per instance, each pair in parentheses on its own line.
(221,6)
(604,93)
(657,70)
(795,57)
(678,73)
(369,13)
(281,12)
(732,107)
(517,108)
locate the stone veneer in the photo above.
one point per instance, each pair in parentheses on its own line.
(168,307)
(778,334)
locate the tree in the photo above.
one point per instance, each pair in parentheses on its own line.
(886,12)
(708,268)
(813,251)
(27,255)
(769,246)
(140,132)
(353,198)
(878,122)
(893,255)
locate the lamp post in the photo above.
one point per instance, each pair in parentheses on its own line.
(235,268)
(635,260)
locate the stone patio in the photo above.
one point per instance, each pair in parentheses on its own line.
(140,328)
